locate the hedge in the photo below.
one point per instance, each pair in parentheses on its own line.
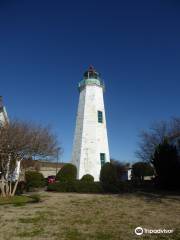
(79,186)
(76,186)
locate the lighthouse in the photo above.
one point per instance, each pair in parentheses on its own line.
(90,146)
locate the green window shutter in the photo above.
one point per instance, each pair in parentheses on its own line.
(100,117)
(103,158)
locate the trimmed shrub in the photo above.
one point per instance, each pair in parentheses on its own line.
(87,178)
(109,178)
(34,180)
(67,173)
(76,186)
(61,187)
(108,174)
(80,186)
(110,182)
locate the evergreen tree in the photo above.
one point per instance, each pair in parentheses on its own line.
(167,165)
(142,169)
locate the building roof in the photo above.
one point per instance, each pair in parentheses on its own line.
(50,164)
(29,163)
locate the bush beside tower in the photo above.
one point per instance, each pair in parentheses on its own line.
(67,181)
(67,173)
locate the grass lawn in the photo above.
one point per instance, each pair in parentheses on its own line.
(91,217)
(17,200)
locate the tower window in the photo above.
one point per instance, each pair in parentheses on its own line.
(100,117)
(102,158)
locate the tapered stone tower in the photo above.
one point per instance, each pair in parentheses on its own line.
(3,114)
(90,147)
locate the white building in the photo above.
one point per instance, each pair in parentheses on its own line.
(90,147)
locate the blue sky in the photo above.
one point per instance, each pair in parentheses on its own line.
(45,47)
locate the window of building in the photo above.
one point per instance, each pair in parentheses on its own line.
(102,158)
(100,117)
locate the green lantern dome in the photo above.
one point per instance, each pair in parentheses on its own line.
(91,77)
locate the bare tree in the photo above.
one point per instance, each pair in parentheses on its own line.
(18,141)
(156,134)
(30,164)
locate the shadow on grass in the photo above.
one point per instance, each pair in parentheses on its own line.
(158,195)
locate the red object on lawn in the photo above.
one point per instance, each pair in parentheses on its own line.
(51,179)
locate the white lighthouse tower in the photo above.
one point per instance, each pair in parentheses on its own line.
(90,147)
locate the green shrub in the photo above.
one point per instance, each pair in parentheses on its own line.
(67,173)
(110,182)
(87,178)
(61,187)
(76,186)
(80,186)
(34,180)
(108,174)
